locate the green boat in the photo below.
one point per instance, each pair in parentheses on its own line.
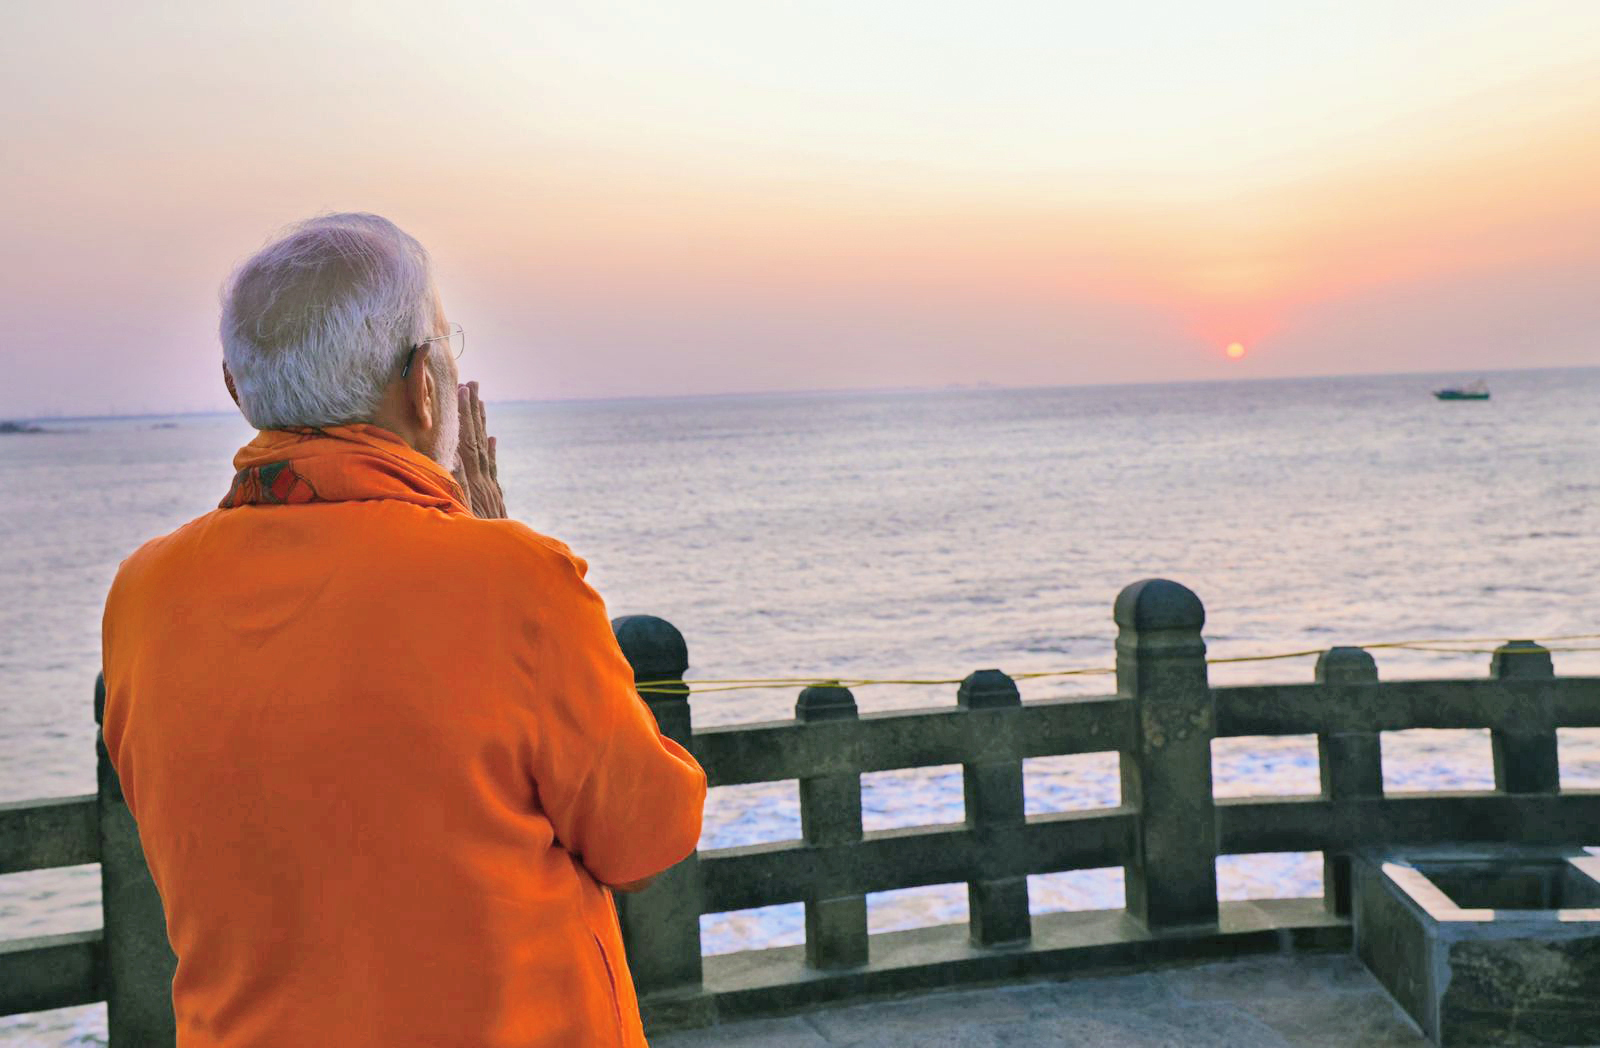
(1476,391)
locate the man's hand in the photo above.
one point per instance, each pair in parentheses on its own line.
(478,475)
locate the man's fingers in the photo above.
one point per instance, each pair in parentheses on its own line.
(466,490)
(467,448)
(480,421)
(479,472)
(469,419)
(494,478)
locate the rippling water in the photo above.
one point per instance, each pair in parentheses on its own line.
(918,535)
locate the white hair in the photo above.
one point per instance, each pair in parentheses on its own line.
(315,324)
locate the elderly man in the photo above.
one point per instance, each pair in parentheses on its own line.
(385,755)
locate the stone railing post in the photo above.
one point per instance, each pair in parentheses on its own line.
(1525,757)
(1166,776)
(1351,762)
(139,962)
(661,925)
(998,908)
(830,815)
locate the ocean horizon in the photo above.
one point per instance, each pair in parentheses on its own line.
(866,391)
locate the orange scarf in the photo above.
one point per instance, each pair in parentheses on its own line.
(283,467)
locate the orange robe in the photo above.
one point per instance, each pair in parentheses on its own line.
(384,756)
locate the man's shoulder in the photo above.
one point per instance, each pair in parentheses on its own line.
(495,547)
(510,542)
(152,552)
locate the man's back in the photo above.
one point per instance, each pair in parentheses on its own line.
(380,752)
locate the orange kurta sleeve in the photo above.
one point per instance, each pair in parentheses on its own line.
(621,796)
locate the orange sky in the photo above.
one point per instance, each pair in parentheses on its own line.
(728,197)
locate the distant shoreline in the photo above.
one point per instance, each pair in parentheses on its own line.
(869,391)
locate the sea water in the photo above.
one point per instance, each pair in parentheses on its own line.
(920,535)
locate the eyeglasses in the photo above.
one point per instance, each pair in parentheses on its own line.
(458,345)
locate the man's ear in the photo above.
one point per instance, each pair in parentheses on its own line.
(227,380)
(420,391)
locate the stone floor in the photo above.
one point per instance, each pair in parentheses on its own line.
(1318,1001)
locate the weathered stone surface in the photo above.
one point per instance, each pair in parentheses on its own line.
(51,971)
(1520,992)
(759,983)
(992,792)
(661,929)
(44,834)
(792,1032)
(1369,1020)
(1159,604)
(1525,754)
(1390,943)
(756,875)
(1171,878)
(661,925)
(1244,981)
(1136,991)
(1315,1002)
(654,647)
(836,932)
(1176,1025)
(998,911)
(1276,1002)
(1480,945)
(772,750)
(1521,660)
(914,1016)
(830,816)
(1295,709)
(138,961)
(1256,824)
(1351,761)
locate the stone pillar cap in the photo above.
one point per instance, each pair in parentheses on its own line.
(653,646)
(1159,604)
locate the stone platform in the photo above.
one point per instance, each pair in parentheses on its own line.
(1304,1001)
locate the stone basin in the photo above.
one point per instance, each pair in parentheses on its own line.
(1488,946)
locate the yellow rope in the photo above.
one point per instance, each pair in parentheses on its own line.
(701,687)
(1061,673)
(1267,658)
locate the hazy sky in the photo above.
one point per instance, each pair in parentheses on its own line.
(636,198)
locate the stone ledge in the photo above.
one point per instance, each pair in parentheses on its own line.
(1323,1000)
(777,981)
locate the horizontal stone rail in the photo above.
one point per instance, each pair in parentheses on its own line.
(1166,834)
(1246,825)
(762,874)
(1304,709)
(42,835)
(50,971)
(778,750)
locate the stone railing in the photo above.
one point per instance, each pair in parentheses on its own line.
(1166,834)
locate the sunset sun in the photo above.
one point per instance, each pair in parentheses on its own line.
(1235,350)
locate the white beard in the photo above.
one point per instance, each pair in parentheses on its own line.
(447,434)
